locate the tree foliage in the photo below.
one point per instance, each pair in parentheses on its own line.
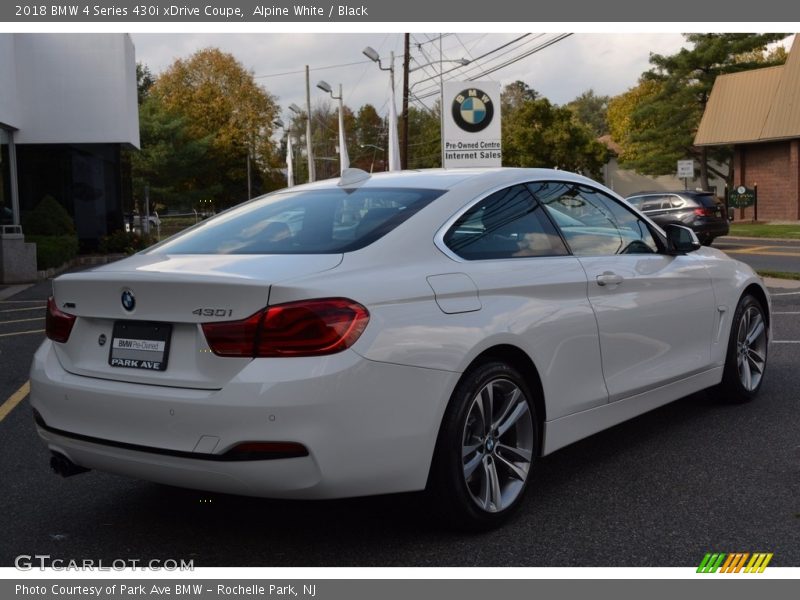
(424,137)
(663,127)
(219,101)
(591,109)
(537,133)
(171,162)
(144,81)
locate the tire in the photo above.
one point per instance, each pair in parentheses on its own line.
(480,474)
(746,359)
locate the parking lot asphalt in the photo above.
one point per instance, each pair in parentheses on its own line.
(692,477)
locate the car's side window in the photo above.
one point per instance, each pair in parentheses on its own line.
(506,224)
(593,223)
(676,202)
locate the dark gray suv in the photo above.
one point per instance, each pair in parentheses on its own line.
(703,212)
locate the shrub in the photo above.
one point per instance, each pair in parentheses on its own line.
(49,218)
(51,228)
(53,250)
(126,242)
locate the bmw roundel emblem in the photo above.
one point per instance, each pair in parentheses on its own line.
(128,300)
(472,110)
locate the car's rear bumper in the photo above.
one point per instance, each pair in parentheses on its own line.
(369,428)
(706,230)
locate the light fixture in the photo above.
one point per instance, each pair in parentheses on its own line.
(325,87)
(370,53)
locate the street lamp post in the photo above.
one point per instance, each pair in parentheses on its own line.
(394,146)
(344,159)
(299,111)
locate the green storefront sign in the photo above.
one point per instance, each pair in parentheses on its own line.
(742,197)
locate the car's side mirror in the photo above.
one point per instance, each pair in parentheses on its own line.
(681,240)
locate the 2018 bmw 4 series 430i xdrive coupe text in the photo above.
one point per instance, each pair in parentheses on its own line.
(434,330)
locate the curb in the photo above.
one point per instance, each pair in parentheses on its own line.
(756,239)
(783,284)
(13,290)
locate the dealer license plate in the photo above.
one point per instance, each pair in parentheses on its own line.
(140,345)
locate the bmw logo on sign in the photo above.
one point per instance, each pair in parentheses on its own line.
(128,300)
(472,110)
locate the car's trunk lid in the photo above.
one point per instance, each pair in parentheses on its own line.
(172,296)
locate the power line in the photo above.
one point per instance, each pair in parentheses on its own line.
(472,69)
(507,63)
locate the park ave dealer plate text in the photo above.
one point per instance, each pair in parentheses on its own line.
(140,345)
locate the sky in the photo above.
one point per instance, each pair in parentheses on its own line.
(607,63)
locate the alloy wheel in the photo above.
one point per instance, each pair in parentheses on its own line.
(497,445)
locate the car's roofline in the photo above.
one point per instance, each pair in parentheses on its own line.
(446,179)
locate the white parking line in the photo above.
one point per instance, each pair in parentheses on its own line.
(785,294)
(23,320)
(21,332)
(7,310)
(787,313)
(786,341)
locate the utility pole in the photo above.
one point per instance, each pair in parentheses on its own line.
(312,176)
(406,59)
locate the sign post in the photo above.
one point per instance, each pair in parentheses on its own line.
(471,133)
(686,171)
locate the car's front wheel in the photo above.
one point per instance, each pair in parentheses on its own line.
(746,359)
(486,447)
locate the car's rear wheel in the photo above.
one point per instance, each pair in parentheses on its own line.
(746,359)
(485,449)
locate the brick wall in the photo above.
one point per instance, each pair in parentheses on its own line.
(775,167)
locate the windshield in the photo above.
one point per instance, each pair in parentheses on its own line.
(327,221)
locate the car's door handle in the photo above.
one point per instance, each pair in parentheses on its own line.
(609,278)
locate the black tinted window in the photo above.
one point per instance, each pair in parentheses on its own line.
(707,200)
(593,223)
(506,224)
(304,222)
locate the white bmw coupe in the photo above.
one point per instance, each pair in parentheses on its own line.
(431,330)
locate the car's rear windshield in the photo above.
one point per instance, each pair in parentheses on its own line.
(326,221)
(707,200)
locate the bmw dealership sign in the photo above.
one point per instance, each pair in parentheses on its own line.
(472,124)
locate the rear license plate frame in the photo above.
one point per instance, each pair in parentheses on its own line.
(140,345)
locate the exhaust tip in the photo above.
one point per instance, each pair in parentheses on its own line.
(63,466)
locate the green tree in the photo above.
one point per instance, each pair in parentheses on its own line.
(591,109)
(620,116)
(424,138)
(219,101)
(369,135)
(171,161)
(537,133)
(144,81)
(515,95)
(664,126)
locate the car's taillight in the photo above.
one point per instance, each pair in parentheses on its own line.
(58,324)
(704,212)
(305,328)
